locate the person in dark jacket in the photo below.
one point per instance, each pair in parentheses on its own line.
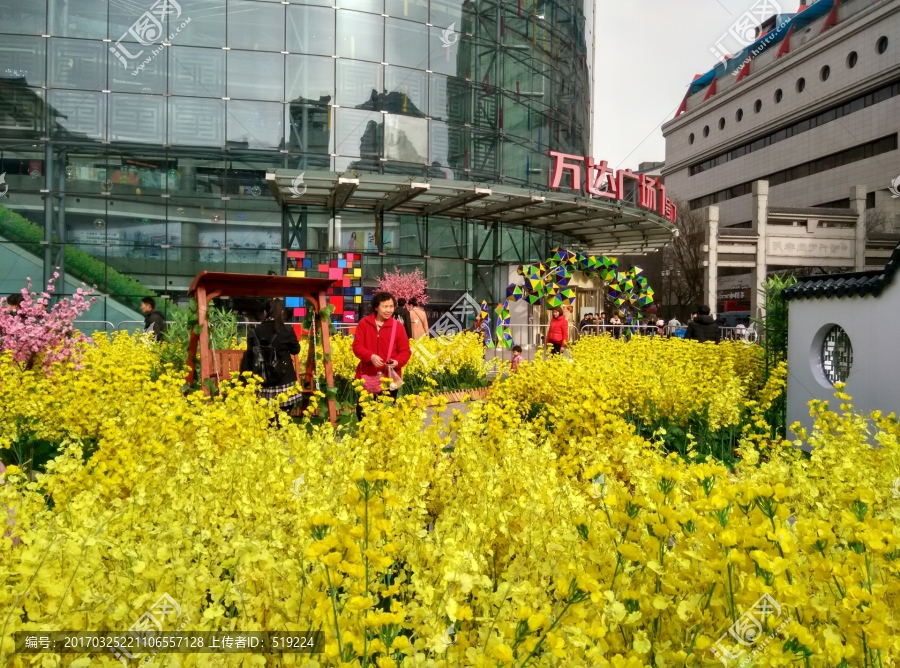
(154,321)
(703,328)
(273,331)
(402,315)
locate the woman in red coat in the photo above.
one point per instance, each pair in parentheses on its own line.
(372,342)
(558,335)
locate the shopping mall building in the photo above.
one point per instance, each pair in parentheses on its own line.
(158,138)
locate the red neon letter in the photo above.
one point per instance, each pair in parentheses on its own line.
(559,166)
(647,198)
(596,171)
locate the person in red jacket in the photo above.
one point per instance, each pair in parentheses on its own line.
(558,335)
(373,338)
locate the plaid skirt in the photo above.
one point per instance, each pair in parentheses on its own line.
(271,393)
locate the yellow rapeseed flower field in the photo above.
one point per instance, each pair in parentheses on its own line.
(549,525)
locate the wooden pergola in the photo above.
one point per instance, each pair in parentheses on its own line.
(208,285)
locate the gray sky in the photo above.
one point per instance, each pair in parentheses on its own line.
(648,51)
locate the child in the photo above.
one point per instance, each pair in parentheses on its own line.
(517,358)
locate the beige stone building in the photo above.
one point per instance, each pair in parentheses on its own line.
(813,119)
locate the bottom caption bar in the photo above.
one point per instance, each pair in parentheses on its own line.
(132,644)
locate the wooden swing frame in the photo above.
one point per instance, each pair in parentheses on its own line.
(208,285)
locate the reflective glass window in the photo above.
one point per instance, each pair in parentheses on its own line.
(23,18)
(137,118)
(255,125)
(310,30)
(78,18)
(207,26)
(197,72)
(310,131)
(358,133)
(406,139)
(446,12)
(370,6)
(310,78)
(255,76)
(196,121)
(79,113)
(407,91)
(443,45)
(28,104)
(439,150)
(76,63)
(414,10)
(359,84)
(146,74)
(23,58)
(360,36)
(406,43)
(256,26)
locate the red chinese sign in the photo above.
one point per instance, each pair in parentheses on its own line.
(601,181)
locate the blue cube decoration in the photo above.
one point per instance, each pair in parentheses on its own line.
(293,302)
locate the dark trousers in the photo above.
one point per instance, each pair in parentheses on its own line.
(557,348)
(359,408)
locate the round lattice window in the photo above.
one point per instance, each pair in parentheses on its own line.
(837,355)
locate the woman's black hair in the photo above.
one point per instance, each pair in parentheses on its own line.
(517,349)
(382,297)
(413,301)
(15,299)
(275,311)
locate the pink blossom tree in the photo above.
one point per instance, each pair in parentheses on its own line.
(405,286)
(36,333)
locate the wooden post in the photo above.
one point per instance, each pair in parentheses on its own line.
(326,356)
(202,304)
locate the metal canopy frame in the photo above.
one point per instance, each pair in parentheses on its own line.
(602,225)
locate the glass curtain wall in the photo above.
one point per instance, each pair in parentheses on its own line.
(138,134)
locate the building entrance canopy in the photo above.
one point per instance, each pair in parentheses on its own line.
(602,226)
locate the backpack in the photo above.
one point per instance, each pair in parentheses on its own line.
(265,362)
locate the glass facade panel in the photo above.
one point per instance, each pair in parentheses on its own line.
(413,10)
(23,58)
(196,122)
(359,84)
(256,26)
(407,91)
(406,139)
(86,19)
(197,72)
(255,125)
(80,114)
(371,6)
(76,63)
(23,18)
(309,78)
(147,77)
(360,36)
(207,26)
(358,133)
(310,30)
(255,76)
(406,43)
(137,118)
